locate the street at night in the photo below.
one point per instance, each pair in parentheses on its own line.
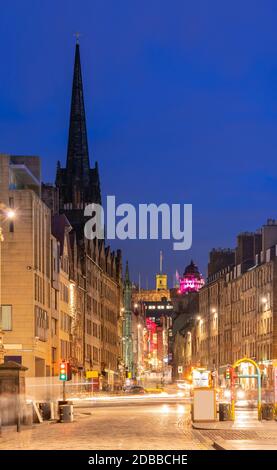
(138,231)
(141,423)
(112,427)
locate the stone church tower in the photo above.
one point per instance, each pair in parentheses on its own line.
(78,183)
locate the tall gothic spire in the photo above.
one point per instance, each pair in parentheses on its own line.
(78,184)
(127,276)
(77,151)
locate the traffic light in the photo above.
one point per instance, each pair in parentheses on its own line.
(228,373)
(65,371)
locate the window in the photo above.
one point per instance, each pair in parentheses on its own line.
(6,317)
(41,324)
(54,324)
(89,327)
(95,354)
(56,299)
(89,352)
(54,354)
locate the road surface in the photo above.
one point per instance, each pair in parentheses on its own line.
(156,425)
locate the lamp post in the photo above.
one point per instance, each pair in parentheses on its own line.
(138,351)
(6,214)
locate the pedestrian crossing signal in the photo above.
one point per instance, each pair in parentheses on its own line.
(65,371)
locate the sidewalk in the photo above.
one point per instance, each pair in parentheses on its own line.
(246,433)
(245,444)
(245,419)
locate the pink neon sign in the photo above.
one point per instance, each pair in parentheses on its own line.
(191,283)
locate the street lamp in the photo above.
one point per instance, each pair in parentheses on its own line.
(5,214)
(138,348)
(10,214)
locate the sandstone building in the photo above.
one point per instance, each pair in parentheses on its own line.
(61,293)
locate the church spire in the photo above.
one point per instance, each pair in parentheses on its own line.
(77,151)
(127,275)
(79,185)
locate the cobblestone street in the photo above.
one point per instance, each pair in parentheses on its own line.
(140,427)
(153,427)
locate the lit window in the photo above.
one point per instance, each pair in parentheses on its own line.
(6,317)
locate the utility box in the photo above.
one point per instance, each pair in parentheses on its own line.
(267,411)
(224,412)
(12,393)
(204,405)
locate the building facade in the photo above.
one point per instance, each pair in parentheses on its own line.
(185,302)
(61,293)
(237,310)
(25,266)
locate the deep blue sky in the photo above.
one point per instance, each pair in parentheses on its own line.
(181,103)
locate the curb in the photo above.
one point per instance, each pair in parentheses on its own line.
(221,444)
(201,427)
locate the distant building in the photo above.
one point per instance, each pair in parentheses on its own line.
(185,302)
(159,329)
(192,280)
(219,259)
(127,340)
(158,311)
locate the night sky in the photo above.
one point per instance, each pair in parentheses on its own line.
(181,104)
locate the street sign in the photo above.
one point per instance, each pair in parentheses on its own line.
(92,374)
(201,378)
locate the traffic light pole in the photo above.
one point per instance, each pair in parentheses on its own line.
(232,377)
(64,396)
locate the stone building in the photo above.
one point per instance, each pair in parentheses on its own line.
(185,302)
(61,293)
(128,340)
(155,309)
(237,309)
(78,185)
(25,266)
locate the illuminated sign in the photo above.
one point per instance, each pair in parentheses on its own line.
(191,283)
(200,378)
(92,374)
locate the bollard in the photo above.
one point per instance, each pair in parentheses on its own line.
(66,413)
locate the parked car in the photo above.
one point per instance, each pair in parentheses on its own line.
(134,390)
